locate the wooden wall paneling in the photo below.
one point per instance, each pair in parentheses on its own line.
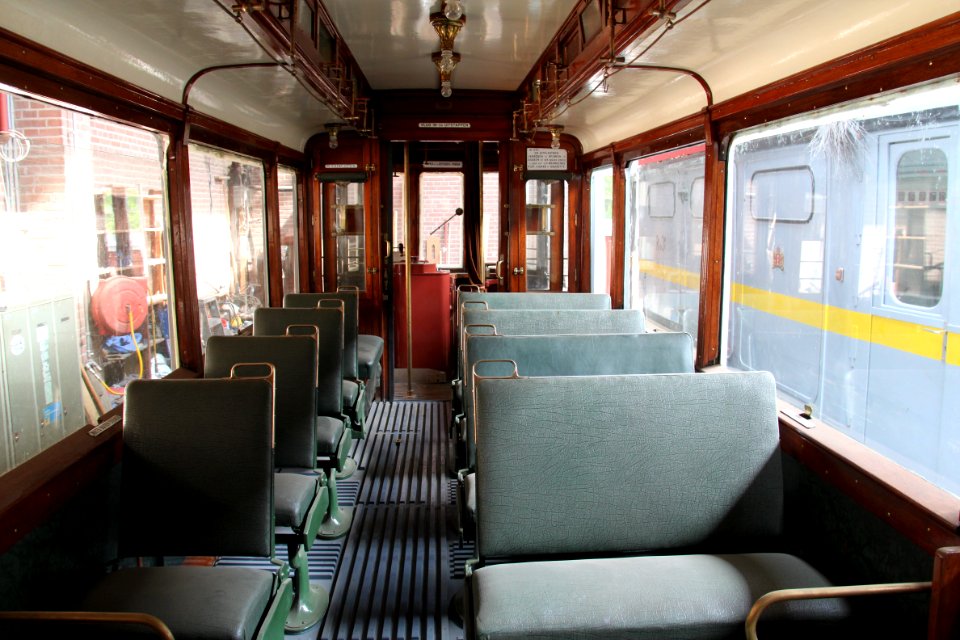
(272,202)
(181,236)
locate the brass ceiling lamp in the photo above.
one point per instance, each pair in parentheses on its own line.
(447,23)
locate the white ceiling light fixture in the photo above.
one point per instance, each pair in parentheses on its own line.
(453,9)
(447,23)
(333,128)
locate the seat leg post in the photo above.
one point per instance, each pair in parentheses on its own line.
(310,602)
(338,519)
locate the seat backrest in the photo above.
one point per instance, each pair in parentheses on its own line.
(606,464)
(478,300)
(294,359)
(535,322)
(272,321)
(351,322)
(197,468)
(572,355)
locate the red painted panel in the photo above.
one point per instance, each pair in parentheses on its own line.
(430,295)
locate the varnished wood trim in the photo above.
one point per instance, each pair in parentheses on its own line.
(945,601)
(711,259)
(272,201)
(181,241)
(918,509)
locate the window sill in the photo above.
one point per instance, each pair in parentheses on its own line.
(923,512)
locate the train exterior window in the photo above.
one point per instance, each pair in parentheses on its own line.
(547,246)
(784,195)
(227,204)
(601,232)
(662,197)
(441,229)
(916,235)
(664,238)
(491,217)
(289,219)
(844,292)
(84,270)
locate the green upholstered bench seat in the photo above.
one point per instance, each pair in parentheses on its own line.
(230,601)
(655,597)
(632,482)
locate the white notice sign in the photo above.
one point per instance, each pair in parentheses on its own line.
(545,159)
(442,164)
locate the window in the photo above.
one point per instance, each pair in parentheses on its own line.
(601,231)
(838,264)
(547,243)
(441,228)
(85,297)
(785,194)
(918,227)
(664,238)
(344,202)
(491,217)
(229,239)
(289,209)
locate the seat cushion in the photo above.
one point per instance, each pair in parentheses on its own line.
(351,392)
(292,495)
(212,603)
(369,352)
(470,492)
(329,433)
(677,597)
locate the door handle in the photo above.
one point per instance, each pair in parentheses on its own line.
(499,270)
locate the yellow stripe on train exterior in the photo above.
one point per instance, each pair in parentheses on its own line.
(909,337)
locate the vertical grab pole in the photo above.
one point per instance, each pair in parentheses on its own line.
(408,233)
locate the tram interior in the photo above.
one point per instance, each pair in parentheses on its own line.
(751,185)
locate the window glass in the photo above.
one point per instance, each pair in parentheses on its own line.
(227,204)
(491,217)
(918,227)
(601,233)
(785,194)
(399,221)
(840,286)
(346,200)
(441,229)
(662,197)
(84,273)
(289,220)
(547,245)
(664,238)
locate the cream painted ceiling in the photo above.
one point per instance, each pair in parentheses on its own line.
(737,45)
(499,43)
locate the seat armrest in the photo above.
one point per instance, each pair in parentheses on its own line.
(153,624)
(817,593)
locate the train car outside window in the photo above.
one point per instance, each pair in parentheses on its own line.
(784,195)
(289,224)
(441,229)
(847,299)
(229,239)
(601,231)
(664,238)
(85,291)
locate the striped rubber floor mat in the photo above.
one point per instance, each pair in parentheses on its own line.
(395,574)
